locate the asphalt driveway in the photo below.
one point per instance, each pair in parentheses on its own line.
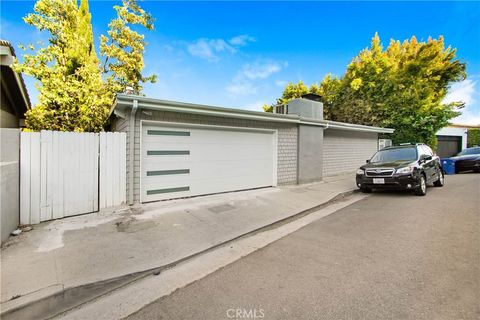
(389,256)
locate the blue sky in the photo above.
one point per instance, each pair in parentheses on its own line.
(241,55)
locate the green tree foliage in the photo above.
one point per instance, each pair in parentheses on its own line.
(292,91)
(473,137)
(400,87)
(74,96)
(328,90)
(124,48)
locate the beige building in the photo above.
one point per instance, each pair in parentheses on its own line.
(14,97)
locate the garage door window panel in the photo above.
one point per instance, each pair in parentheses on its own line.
(169,190)
(167,172)
(167,152)
(167,133)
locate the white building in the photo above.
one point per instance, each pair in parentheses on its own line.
(451,140)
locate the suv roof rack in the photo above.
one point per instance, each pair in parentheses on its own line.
(411,144)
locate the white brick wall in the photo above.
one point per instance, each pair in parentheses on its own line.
(345,151)
(287,140)
(287,155)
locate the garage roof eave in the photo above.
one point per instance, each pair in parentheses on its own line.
(123,101)
(356,127)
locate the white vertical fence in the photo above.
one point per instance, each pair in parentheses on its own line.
(113,185)
(69,173)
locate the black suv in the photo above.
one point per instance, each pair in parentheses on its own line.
(403,167)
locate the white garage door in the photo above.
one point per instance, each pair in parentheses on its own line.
(182,160)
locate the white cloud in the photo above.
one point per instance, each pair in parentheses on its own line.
(241,89)
(241,40)
(467,92)
(260,70)
(210,49)
(280,83)
(468,116)
(246,81)
(462,91)
(255,106)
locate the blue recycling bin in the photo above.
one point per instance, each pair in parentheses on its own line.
(448,165)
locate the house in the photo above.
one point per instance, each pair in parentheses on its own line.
(14,103)
(14,97)
(451,140)
(177,149)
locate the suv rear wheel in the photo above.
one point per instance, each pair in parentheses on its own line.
(422,186)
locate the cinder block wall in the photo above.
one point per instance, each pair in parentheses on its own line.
(344,151)
(287,140)
(10,181)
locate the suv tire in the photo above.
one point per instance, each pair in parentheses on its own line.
(421,190)
(441,179)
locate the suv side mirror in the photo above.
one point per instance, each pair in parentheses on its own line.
(425,157)
(367,161)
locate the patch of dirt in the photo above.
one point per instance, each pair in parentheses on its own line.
(221,208)
(132,225)
(123,224)
(137,210)
(13,240)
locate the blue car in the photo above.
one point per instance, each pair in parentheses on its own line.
(467,160)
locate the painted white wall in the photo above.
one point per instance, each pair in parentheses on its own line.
(9,181)
(453,131)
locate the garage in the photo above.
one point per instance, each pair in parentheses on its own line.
(180,149)
(448,146)
(183,160)
(344,151)
(451,140)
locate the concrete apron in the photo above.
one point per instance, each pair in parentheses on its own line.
(131,298)
(59,299)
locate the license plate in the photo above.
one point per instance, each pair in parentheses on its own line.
(378,181)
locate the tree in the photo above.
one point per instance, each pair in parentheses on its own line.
(124,48)
(473,137)
(400,87)
(74,96)
(292,91)
(328,90)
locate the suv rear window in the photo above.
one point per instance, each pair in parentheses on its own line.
(400,154)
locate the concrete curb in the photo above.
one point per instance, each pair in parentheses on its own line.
(70,298)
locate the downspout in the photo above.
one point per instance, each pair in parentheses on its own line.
(285,111)
(323,149)
(131,172)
